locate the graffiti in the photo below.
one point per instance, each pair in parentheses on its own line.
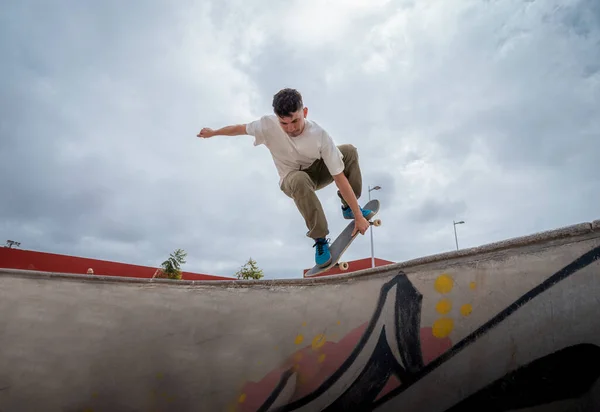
(388,357)
(395,321)
(575,266)
(566,374)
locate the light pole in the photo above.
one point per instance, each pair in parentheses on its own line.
(455,237)
(372,252)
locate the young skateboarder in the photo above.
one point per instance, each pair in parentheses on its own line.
(307,159)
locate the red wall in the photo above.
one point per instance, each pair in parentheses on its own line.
(49,262)
(353,266)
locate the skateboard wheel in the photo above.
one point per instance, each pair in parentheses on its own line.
(344,265)
(377,222)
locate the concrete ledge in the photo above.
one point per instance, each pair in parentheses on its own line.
(265,283)
(564,233)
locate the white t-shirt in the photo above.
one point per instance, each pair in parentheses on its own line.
(299,152)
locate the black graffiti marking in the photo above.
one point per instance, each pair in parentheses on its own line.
(583,261)
(382,364)
(407,309)
(407,324)
(567,373)
(380,367)
(285,377)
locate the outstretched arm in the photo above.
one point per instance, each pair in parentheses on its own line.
(233,130)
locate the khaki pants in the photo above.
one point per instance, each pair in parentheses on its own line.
(301,185)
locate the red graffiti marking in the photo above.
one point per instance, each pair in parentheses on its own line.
(314,366)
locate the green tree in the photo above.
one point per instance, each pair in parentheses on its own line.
(250,271)
(171,268)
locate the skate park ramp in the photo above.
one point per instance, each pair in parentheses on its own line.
(510,326)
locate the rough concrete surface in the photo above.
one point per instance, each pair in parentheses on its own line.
(510,326)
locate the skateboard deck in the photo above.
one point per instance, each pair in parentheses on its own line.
(343,241)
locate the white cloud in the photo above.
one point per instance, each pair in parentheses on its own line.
(479,111)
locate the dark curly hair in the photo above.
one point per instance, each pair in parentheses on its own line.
(286,102)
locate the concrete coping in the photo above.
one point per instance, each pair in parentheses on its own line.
(572,231)
(564,233)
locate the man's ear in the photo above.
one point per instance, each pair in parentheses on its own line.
(305,110)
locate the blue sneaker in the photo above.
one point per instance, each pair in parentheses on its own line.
(347,212)
(322,255)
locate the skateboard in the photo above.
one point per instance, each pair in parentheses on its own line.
(343,241)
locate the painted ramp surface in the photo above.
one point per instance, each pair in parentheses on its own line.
(513,326)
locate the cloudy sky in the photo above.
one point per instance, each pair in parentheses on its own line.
(483,111)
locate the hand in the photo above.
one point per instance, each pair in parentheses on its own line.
(360,225)
(206,133)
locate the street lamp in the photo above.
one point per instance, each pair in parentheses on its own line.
(372,252)
(456,238)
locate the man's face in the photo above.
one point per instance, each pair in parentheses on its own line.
(294,124)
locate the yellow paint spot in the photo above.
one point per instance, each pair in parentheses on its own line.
(339,322)
(466,309)
(443,306)
(444,283)
(321,358)
(318,341)
(242,398)
(299,339)
(159,375)
(442,327)
(473,285)
(303,323)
